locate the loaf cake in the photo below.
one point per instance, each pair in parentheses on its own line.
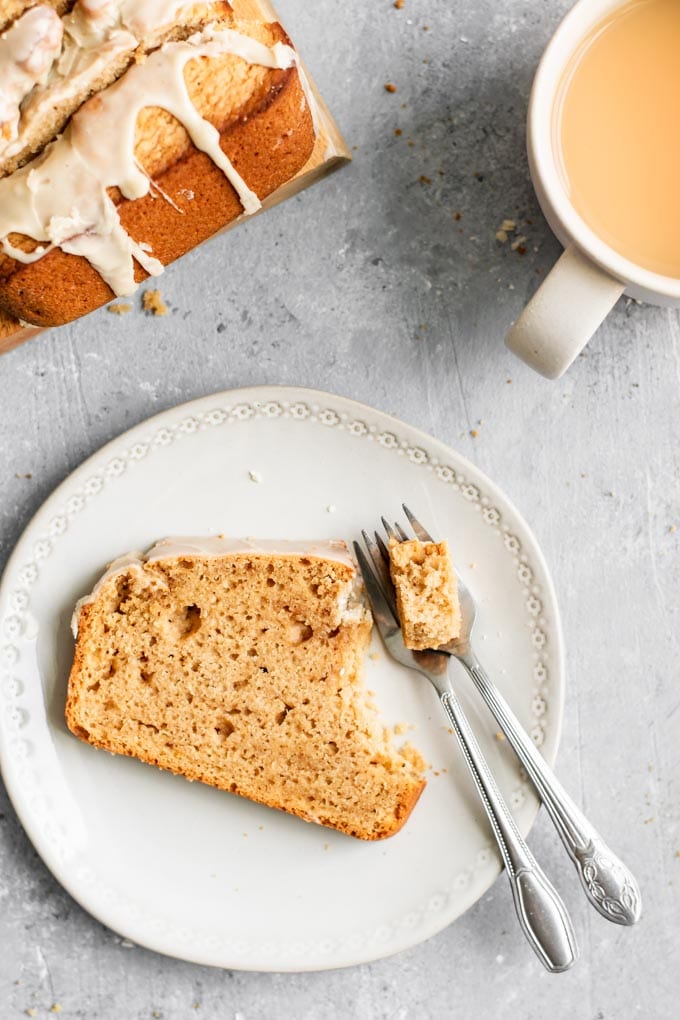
(427,593)
(133,130)
(239,665)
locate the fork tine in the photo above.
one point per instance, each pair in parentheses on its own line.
(382,610)
(401,534)
(380,566)
(383,549)
(419,530)
(388,528)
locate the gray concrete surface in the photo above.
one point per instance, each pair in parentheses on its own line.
(370,285)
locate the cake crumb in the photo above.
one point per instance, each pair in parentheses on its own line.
(671,529)
(326,846)
(255,476)
(375,656)
(119,308)
(499,735)
(413,755)
(331,508)
(390,87)
(474,433)
(55,1008)
(501,235)
(399,4)
(152,301)
(31,1011)
(518,242)
(509,226)
(401,728)
(425,180)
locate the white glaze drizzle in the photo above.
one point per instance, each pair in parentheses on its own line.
(95,33)
(210,547)
(27,52)
(61,198)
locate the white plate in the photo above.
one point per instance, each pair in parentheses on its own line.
(209,877)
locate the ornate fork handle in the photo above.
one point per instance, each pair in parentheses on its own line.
(608,884)
(540,910)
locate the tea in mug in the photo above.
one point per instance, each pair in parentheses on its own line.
(616,133)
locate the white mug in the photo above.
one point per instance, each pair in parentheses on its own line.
(590,277)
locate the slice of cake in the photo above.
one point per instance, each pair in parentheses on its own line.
(239,665)
(427,593)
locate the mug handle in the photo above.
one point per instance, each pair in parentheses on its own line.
(563,314)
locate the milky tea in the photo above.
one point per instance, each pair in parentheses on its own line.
(616,133)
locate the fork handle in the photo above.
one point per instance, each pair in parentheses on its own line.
(542,914)
(607,882)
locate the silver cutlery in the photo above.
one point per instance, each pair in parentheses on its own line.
(541,913)
(607,882)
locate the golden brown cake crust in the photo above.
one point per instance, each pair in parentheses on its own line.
(61,287)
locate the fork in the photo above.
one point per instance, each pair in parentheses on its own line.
(607,882)
(541,913)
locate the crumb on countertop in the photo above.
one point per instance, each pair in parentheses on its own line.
(331,508)
(375,656)
(120,308)
(399,4)
(152,301)
(255,476)
(390,87)
(499,735)
(55,1008)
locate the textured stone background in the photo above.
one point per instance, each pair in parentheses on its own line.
(369,286)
